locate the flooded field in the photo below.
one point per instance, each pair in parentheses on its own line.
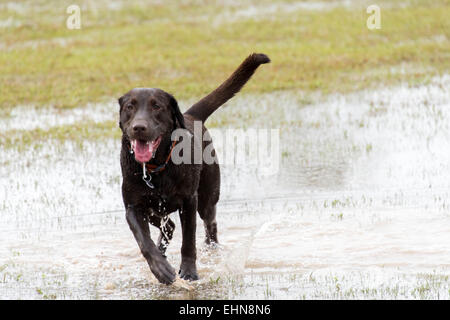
(357,209)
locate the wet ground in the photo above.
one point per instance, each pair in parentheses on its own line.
(357,209)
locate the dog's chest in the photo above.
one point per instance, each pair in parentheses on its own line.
(161,203)
(163,196)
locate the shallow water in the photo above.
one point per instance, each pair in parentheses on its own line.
(358,208)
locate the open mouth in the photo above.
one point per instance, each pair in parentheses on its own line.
(144,150)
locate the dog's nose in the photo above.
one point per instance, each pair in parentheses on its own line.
(139,127)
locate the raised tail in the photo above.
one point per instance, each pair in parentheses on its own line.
(206,106)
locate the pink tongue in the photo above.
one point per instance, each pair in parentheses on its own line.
(143,152)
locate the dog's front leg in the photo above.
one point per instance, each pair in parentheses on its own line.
(162,270)
(188,216)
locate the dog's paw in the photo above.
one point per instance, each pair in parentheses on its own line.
(188,271)
(162,270)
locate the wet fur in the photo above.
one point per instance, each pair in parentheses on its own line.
(187,188)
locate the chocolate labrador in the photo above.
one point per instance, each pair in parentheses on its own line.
(154,186)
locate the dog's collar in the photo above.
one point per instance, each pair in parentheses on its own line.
(153,168)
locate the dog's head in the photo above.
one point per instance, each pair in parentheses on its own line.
(146,117)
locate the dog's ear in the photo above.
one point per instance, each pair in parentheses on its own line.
(121,100)
(178,116)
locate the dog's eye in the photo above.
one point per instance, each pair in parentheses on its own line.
(155,106)
(130,107)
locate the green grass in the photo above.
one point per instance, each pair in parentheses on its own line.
(78,132)
(184,50)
